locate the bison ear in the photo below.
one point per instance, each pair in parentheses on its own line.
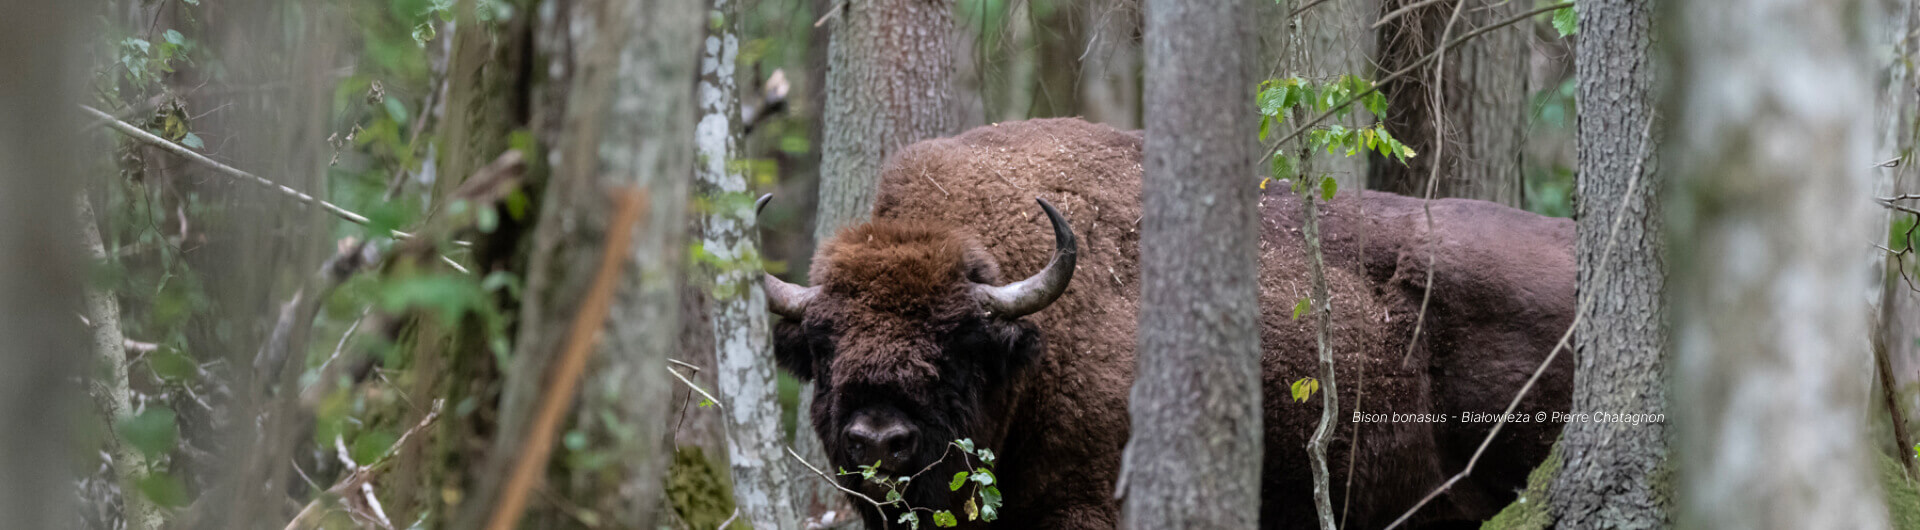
(1024,347)
(793,349)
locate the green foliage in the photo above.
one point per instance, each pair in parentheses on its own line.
(1301,307)
(1566,22)
(1304,389)
(982,505)
(152,432)
(1275,98)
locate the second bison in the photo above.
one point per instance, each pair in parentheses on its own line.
(914,339)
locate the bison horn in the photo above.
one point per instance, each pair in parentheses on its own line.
(784,299)
(1028,296)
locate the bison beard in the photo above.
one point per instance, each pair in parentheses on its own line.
(911,347)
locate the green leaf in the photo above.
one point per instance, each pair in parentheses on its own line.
(1566,21)
(959,479)
(1377,104)
(909,517)
(162,489)
(966,444)
(1327,187)
(1272,101)
(944,519)
(152,432)
(986,455)
(371,445)
(174,37)
(576,440)
(1301,307)
(171,365)
(1304,388)
(893,495)
(984,477)
(989,513)
(1283,167)
(193,141)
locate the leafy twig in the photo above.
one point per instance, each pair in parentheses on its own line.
(1405,70)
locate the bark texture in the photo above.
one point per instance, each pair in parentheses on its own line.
(1194,457)
(1610,474)
(628,122)
(1771,136)
(1485,96)
(889,71)
(40,285)
(738,309)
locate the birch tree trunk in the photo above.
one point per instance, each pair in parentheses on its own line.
(1194,458)
(1485,98)
(40,287)
(109,384)
(738,310)
(1771,127)
(1609,473)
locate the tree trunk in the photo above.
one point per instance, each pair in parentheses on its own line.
(889,70)
(1609,474)
(1194,458)
(889,77)
(109,385)
(738,308)
(1770,209)
(1485,97)
(628,123)
(40,272)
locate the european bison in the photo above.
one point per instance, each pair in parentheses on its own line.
(911,345)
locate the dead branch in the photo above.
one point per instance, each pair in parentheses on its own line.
(360,480)
(572,361)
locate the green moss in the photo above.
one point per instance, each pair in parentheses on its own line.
(1530,511)
(1903,501)
(700,490)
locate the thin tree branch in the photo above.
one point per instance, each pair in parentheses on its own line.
(1404,71)
(572,362)
(144,136)
(1580,312)
(1303,9)
(696,388)
(1402,10)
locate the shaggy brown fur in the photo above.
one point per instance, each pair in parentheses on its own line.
(895,329)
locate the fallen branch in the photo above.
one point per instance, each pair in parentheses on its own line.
(1580,312)
(359,480)
(572,361)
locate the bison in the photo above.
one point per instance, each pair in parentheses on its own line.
(913,339)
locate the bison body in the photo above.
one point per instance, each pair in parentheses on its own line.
(905,358)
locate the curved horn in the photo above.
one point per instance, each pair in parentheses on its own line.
(784,299)
(1028,296)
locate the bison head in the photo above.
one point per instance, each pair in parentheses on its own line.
(911,345)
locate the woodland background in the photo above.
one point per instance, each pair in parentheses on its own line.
(321,264)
